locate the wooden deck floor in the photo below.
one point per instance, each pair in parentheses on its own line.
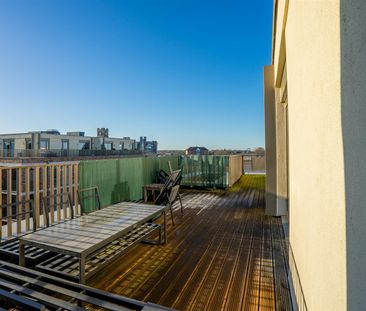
(223,254)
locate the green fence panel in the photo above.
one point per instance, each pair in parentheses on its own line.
(207,171)
(164,163)
(121,179)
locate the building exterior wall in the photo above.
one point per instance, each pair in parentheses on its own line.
(19,140)
(353,113)
(279,22)
(128,144)
(55,141)
(281,154)
(270,124)
(319,64)
(19,144)
(316,172)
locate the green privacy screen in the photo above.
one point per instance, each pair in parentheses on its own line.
(121,179)
(207,171)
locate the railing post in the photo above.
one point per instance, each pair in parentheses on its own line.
(52,193)
(36,197)
(64,188)
(44,194)
(76,187)
(58,185)
(70,192)
(1,203)
(9,201)
(19,205)
(27,198)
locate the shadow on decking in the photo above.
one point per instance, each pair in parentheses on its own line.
(223,254)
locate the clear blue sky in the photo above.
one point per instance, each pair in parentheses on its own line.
(181,72)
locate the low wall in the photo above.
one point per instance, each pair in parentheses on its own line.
(236,168)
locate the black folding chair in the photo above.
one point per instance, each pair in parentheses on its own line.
(170,192)
(162,198)
(174,193)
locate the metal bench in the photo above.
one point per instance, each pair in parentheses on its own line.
(26,289)
(68,266)
(87,243)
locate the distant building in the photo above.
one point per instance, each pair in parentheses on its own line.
(102,132)
(196,151)
(147,146)
(52,143)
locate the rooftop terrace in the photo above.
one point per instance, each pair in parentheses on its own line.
(222,254)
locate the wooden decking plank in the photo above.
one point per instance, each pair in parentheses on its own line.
(220,291)
(251,295)
(187,257)
(267,299)
(134,259)
(177,248)
(282,294)
(235,292)
(201,268)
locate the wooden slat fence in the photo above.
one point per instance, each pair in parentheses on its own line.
(23,188)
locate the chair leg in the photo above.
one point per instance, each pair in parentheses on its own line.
(181,205)
(171,214)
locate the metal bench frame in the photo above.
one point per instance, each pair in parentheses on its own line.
(67,266)
(33,290)
(86,254)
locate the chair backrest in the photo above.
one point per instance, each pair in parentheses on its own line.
(170,167)
(175,175)
(163,196)
(173,194)
(59,202)
(178,178)
(162,177)
(93,193)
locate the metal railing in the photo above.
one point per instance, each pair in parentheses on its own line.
(210,171)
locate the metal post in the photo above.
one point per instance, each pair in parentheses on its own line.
(82,270)
(82,276)
(21,254)
(160,235)
(165,228)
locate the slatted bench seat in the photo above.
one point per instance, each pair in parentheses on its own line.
(67,266)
